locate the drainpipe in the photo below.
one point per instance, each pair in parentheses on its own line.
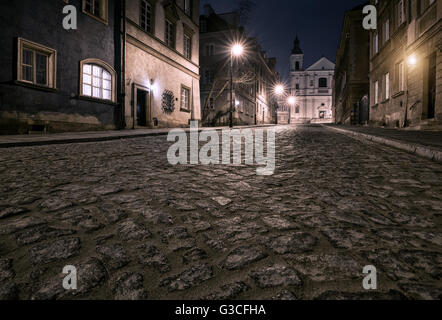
(120,61)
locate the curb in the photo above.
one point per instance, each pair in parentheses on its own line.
(103,138)
(416,149)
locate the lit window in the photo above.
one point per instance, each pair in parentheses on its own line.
(146,16)
(36,64)
(97,81)
(376,92)
(185,99)
(387,86)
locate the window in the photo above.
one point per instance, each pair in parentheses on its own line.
(203,25)
(321,114)
(297,109)
(170,34)
(187,46)
(387,86)
(208,75)
(36,64)
(146,17)
(400,13)
(311,83)
(96,9)
(322,82)
(185,98)
(401,76)
(210,50)
(387,30)
(375,44)
(297,86)
(188,7)
(297,65)
(376,92)
(97,80)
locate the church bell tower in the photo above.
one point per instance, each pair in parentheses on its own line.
(297,57)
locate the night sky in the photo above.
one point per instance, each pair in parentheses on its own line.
(276,22)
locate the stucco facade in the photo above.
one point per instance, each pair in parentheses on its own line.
(156,70)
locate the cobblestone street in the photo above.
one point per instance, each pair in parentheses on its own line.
(136,227)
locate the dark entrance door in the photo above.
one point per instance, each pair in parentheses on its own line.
(431,85)
(141,108)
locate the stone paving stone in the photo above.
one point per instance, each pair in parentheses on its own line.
(292,243)
(41,233)
(276,276)
(189,278)
(6,271)
(228,291)
(242,256)
(129,286)
(422,291)
(151,256)
(285,295)
(6,212)
(9,291)
(278,223)
(129,230)
(19,224)
(327,267)
(56,250)
(114,255)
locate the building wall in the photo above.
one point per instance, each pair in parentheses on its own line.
(153,66)
(59,109)
(418,36)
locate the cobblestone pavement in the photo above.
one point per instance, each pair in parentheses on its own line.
(138,228)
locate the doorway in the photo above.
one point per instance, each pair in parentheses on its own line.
(430,93)
(141,106)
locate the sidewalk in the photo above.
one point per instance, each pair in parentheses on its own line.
(93,136)
(426,144)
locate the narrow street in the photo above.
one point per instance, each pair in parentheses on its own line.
(136,227)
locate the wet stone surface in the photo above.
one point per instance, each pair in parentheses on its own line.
(136,227)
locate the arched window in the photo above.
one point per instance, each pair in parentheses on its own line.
(97,80)
(322,82)
(297,109)
(297,65)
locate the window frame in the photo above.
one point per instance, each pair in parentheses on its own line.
(104,66)
(104,5)
(326,82)
(189,100)
(51,63)
(166,34)
(189,55)
(152,16)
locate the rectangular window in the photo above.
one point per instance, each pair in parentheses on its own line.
(375,44)
(146,18)
(36,64)
(400,13)
(185,99)
(210,50)
(376,92)
(401,76)
(208,75)
(97,9)
(387,86)
(188,7)
(387,30)
(187,47)
(170,34)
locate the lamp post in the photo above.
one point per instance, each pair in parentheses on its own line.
(411,62)
(279,91)
(291,100)
(236,51)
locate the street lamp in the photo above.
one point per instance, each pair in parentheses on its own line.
(236,50)
(412,60)
(279,89)
(291,100)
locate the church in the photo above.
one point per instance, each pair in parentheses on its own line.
(312,88)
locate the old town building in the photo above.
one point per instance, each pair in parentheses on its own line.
(406,64)
(351,82)
(162,63)
(312,88)
(128,64)
(54,79)
(254,73)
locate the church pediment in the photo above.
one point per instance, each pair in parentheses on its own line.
(322,64)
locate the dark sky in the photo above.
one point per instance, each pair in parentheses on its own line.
(276,22)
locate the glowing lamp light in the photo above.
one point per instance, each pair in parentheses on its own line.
(237,50)
(291,100)
(412,60)
(279,89)
(236,103)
